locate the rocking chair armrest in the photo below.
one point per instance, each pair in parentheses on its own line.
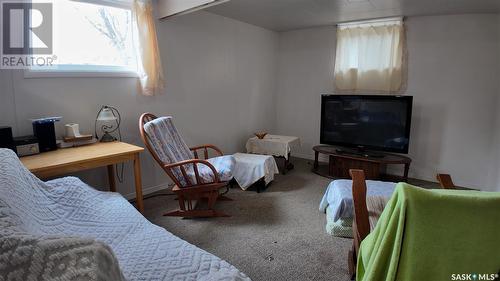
(194,162)
(205,147)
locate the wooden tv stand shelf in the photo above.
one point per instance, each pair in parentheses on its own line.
(374,167)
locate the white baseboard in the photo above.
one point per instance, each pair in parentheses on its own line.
(147,190)
(322,158)
(303,156)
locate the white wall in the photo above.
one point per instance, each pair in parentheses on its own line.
(220,89)
(305,70)
(453,76)
(453,70)
(7,110)
(495,167)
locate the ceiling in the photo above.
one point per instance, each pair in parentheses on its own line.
(283,15)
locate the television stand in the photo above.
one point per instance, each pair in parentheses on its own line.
(375,167)
(359,152)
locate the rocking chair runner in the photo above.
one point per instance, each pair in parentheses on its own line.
(194,178)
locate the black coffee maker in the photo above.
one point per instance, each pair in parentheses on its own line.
(6,139)
(45,131)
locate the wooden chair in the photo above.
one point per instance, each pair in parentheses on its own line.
(367,211)
(445,181)
(361,223)
(188,175)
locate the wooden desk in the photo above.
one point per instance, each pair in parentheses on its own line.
(70,160)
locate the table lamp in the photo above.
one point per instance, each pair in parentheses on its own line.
(111,119)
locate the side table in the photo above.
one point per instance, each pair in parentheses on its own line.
(275,145)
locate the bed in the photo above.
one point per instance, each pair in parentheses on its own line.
(66,230)
(337,203)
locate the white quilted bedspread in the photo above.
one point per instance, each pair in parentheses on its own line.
(69,207)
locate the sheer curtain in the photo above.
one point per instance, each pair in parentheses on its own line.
(146,42)
(150,68)
(371,57)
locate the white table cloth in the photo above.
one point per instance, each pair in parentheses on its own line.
(250,168)
(272,145)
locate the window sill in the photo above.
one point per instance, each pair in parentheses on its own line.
(33,74)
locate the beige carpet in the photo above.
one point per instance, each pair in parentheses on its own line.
(278,234)
(275,235)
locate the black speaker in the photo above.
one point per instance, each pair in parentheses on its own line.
(45,131)
(6,139)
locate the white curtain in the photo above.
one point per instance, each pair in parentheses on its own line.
(150,68)
(371,57)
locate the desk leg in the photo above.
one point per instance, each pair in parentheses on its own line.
(111,178)
(138,183)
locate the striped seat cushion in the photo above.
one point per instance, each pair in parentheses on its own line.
(375,206)
(171,148)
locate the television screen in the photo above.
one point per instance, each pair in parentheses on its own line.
(367,121)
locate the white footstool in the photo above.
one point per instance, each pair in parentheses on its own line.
(250,168)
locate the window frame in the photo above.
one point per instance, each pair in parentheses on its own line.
(91,72)
(87,71)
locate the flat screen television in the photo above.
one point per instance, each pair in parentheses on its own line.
(372,122)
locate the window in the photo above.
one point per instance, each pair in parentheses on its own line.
(92,37)
(370,57)
(103,38)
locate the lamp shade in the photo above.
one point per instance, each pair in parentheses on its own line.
(106,114)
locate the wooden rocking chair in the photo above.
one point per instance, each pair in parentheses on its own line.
(195,179)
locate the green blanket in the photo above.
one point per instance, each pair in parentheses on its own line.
(433,235)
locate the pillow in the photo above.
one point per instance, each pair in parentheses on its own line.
(36,258)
